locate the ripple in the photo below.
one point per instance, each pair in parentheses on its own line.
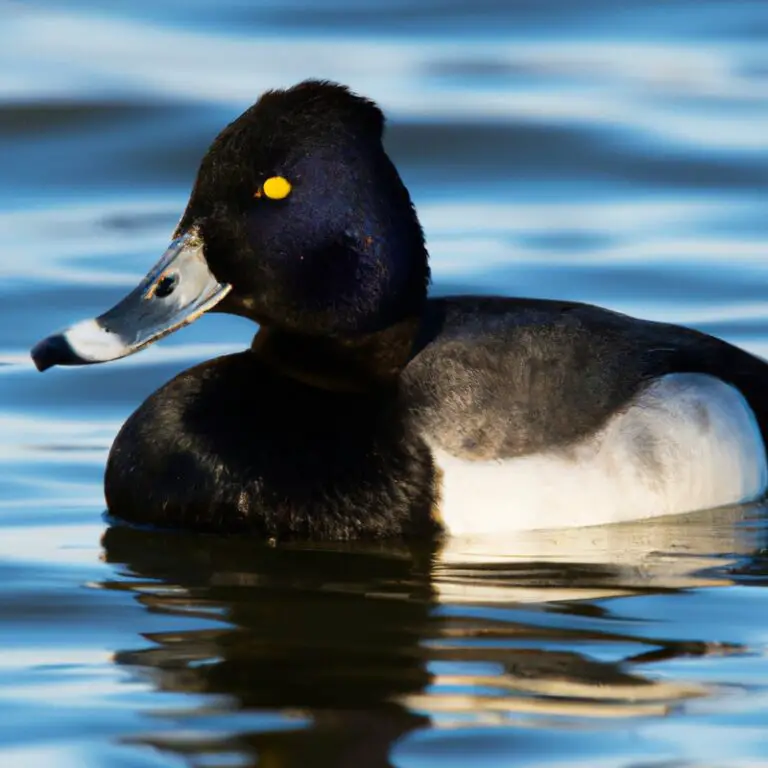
(208,66)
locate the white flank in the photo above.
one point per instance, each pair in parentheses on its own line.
(688,442)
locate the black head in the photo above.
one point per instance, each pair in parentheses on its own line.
(342,251)
(298,219)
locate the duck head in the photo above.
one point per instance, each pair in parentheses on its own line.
(297,219)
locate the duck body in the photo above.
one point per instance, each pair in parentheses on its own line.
(365,409)
(509,414)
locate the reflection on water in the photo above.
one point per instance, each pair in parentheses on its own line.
(613,152)
(333,654)
(324,639)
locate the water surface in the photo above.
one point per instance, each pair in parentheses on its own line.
(614,152)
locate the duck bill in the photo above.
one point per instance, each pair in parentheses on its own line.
(178,289)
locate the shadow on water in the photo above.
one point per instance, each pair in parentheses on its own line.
(341,651)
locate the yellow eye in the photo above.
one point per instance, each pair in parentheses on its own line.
(275,188)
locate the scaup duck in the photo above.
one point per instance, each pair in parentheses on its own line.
(365,409)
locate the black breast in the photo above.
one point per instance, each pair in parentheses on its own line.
(231,446)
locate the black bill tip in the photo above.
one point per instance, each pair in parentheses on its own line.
(55,350)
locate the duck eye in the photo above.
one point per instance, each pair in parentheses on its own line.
(166,285)
(275,188)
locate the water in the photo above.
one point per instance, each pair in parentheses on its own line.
(615,152)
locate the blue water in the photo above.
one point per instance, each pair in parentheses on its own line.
(613,151)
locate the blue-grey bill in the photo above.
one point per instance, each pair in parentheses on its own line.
(178,289)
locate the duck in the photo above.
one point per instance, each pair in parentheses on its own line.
(366,408)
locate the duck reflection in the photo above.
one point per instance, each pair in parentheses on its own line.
(327,639)
(328,655)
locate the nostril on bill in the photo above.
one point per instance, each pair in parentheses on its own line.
(166,285)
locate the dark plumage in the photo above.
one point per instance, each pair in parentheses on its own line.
(325,427)
(345,252)
(234,445)
(534,374)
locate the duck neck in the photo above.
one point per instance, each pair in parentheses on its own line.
(344,363)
